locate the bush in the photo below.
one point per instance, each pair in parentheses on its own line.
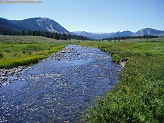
(1,55)
(116,58)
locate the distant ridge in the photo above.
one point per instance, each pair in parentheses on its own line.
(142,32)
(92,35)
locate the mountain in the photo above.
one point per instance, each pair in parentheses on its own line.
(93,35)
(124,33)
(145,31)
(42,24)
(149,31)
(103,35)
(4,23)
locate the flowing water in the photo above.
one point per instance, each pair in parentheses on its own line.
(58,89)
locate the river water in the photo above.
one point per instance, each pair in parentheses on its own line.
(58,89)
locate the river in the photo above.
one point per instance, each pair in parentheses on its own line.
(58,89)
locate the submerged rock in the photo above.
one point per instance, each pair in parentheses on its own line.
(123,62)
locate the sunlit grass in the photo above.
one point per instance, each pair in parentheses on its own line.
(138,96)
(25,50)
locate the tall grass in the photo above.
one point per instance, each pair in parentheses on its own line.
(138,96)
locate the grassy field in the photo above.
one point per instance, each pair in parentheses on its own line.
(25,50)
(138,96)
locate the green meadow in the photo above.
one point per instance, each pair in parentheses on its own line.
(138,96)
(25,50)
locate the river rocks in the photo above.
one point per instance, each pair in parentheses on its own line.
(5,74)
(67,50)
(61,55)
(123,62)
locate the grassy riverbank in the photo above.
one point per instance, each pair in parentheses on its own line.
(139,94)
(25,50)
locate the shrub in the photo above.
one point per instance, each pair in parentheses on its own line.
(1,55)
(116,58)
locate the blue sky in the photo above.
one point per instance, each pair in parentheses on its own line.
(93,15)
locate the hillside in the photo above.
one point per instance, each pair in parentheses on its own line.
(40,24)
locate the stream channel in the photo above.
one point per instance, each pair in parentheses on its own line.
(58,89)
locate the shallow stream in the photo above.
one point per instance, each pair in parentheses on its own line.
(58,89)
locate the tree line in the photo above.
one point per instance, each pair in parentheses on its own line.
(55,35)
(131,37)
(64,36)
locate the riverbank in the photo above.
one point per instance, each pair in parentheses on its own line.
(7,75)
(25,50)
(138,95)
